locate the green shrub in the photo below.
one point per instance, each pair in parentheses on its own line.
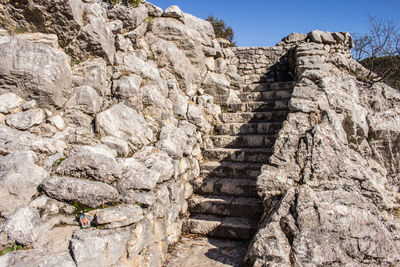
(125,2)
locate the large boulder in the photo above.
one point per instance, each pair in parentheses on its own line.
(98,247)
(23,226)
(95,163)
(34,71)
(19,178)
(92,194)
(125,123)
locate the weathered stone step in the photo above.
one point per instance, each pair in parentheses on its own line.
(226,187)
(258,155)
(232,206)
(262,87)
(269,105)
(235,170)
(225,227)
(243,117)
(263,96)
(247,128)
(243,141)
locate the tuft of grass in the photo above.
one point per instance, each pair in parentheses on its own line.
(14,247)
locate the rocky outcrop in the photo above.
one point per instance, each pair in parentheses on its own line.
(330,189)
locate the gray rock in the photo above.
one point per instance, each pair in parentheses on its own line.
(175,61)
(92,194)
(118,216)
(125,123)
(135,175)
(131,16)
(196,116)
(95,37)
(93,73)
(173,12)
(10,102)
(154,10)
(19,178)
(133,63)
(57,121)
(77,118)
(119,145)
(216,84)
(98,247)
(134,196)
(179,102)
(22,226)
(29,105)
(46,79)
(92,163)
(127,86)
(26,119)
(37,257)
(85,99)
(173,141)
(156,160)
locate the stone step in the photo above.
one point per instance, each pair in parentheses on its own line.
(248,128)
(235,170)
(263,87)
(257,155)
(226,187)
(264,96)
(224,227)
(232,206)
(243,141)
(269,105)
(243,117)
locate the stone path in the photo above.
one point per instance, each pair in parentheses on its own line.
(206,252)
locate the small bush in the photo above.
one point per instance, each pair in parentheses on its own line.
(125,2)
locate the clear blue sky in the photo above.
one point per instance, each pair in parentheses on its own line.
(264,22)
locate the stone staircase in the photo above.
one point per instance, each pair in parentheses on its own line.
(225,203)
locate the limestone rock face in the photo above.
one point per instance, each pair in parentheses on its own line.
(330,189)
(34,71)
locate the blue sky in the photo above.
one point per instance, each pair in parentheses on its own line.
(264,23)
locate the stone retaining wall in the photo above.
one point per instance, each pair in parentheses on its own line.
(263,64)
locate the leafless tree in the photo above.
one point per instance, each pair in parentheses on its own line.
(379,49)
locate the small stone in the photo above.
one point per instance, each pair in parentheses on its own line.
(134,196)
(173,12)
(118,216)
(29,105)
(57,121)
(26,119)
(10,102)
(119,145)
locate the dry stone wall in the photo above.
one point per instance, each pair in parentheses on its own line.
(104,111)
(263,64)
